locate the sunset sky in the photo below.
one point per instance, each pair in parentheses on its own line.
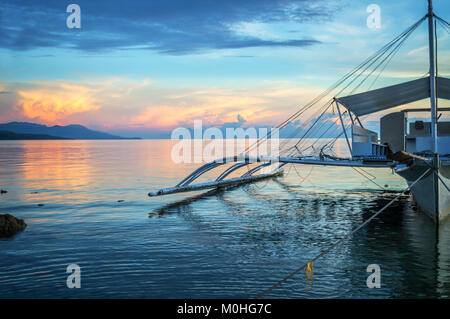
(143,68)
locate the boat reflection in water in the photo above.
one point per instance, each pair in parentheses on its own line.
(403,241)
(230,244)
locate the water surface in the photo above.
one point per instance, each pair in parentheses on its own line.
(231,244)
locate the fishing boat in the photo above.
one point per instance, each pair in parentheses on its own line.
(418,151)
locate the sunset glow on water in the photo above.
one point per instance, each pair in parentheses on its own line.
(129,132)
(228,244)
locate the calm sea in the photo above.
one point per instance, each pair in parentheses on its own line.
(86,203)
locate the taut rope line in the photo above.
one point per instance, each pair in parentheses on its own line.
(309,265)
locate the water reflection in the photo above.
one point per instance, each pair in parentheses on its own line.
(403,241)
(222,243)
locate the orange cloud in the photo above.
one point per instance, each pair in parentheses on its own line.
(213,107)
(124,103)
(53,105)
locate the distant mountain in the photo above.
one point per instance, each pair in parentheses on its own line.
(72,131)
(6,135)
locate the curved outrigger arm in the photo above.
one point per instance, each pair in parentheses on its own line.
(249,176)
(197,173)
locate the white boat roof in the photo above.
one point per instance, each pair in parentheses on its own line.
(391,96)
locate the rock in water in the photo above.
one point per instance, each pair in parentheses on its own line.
(10,225)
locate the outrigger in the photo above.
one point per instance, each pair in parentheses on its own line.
(409,151)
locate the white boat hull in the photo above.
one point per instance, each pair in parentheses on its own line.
(430,193)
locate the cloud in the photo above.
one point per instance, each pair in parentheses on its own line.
(240,122)
(212,106)
(121,104)
(173,27)
(53,105)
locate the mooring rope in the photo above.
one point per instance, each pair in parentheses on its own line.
(436,172)
(358,170)
(308,267)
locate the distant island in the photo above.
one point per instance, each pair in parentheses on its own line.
(32,131)
(6,135)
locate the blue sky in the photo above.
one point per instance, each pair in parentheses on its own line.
(146,67)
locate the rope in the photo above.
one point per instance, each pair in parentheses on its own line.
(307,175)
(332,125)
(367,177)
(391,54)
(389,58)
(442,20)
(436,172)
(368,62)
(310,263)
(396,44)
(446,28)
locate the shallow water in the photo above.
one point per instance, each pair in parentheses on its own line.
(232,244)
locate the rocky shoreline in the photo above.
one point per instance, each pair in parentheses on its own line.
(10,225)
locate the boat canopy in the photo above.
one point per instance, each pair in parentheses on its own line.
(443,88)
(395,95)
